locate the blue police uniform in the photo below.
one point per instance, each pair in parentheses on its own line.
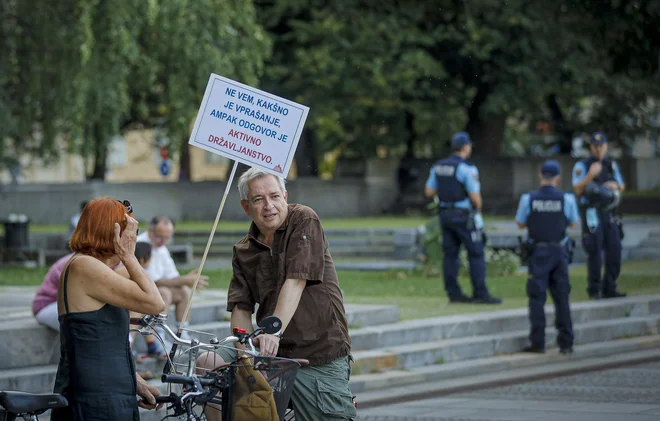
(600,229)
(547,213)
(453,178)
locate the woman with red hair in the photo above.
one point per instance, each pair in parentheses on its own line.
(96,372)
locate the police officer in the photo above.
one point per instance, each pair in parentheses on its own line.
(547,213)
(454,182)
(601,230)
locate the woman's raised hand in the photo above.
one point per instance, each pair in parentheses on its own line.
(125,241)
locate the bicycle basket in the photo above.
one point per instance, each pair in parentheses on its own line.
(262,388)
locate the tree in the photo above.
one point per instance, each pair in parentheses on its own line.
(43,51)
(363,69)
(626,42)
(181,44)
(106,77)
(388,73)
(84,71)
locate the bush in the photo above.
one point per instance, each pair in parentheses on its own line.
(498,262)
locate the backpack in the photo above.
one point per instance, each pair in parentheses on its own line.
(252,397)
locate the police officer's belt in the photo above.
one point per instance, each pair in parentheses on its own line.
(453,207)
(550,243)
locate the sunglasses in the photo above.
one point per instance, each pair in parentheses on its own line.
(129,209)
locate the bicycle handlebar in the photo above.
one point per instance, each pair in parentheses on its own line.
(160,321)
(163,399)
(186,380)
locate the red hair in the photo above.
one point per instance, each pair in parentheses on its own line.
(95,233)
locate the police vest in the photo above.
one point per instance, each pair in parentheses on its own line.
(547,221)
(607,174)
(450,190)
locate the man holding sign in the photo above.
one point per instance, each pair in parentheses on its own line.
(283,264)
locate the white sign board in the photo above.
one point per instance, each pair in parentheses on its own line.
(248,125)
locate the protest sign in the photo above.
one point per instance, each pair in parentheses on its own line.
(248,125)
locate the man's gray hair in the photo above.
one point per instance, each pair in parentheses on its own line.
(252,174)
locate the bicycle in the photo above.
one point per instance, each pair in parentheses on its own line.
(28,405)
(200,390)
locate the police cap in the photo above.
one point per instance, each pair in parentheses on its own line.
(550,168)
(598,138)
(460,139)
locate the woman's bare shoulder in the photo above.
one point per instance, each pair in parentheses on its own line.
(83,263)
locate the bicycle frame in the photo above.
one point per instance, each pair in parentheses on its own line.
(204,388)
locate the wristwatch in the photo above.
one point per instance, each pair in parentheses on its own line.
(279,334)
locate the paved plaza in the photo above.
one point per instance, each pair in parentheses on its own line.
(622,394)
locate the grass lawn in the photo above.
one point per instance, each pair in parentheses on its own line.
(328,223)
(420,296)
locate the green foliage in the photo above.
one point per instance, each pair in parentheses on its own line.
(383,73)
(40,71)
(365,70)
(404,75)
(82,71)
(498,262)
(181,43)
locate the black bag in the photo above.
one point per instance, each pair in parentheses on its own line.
(570,248)
(526,250)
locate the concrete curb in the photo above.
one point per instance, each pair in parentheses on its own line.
(537,368)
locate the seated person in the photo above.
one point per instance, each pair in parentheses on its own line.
(154,349)
(73,222)
(44,305)
(173,287)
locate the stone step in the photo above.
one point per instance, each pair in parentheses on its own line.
(540,368)
(368,387)
(362,383)
(26,343)
(466,354)
(38,379)
(404,357)
(388,333)
(465,325)
(425,341)
(651,242)
(644,252)
(357,315)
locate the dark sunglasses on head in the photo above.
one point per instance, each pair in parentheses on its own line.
(129,209)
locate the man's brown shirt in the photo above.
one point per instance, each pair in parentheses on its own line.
(318,330)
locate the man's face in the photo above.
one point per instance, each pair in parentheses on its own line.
(599,151)
(266,203)
(161,234)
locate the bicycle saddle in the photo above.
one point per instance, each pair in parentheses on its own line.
(25,403)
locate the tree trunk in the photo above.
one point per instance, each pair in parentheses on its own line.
(562,128)
(100,155)
(491,136)
(307,163)
(410,130)
(184,161)
(487,132)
